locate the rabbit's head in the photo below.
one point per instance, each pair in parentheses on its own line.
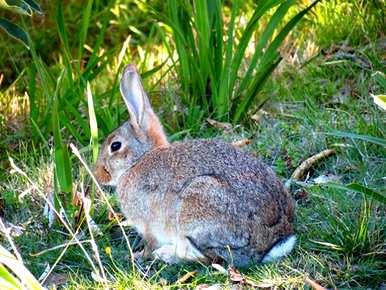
(127,144)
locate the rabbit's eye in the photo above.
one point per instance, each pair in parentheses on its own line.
(115,146)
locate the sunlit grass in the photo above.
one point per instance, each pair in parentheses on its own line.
(341,234)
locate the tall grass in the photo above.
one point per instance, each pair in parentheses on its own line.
(62,111)
(343,20)
(217,76)
(63,103)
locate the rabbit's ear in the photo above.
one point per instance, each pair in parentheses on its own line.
(134,94)
(141,113)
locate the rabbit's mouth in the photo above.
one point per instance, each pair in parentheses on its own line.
(102,174)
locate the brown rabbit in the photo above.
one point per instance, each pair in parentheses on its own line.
(198,200)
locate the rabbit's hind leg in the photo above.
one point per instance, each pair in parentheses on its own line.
(167,253)
(184,250)
(212,231)
(187,251)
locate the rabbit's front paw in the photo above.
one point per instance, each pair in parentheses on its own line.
(166,254)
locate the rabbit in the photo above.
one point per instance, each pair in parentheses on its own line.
(197,200)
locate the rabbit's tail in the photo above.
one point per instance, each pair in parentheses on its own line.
(280,249)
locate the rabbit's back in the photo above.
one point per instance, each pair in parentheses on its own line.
(173,168)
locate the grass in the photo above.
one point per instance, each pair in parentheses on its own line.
(219,75)
(341,234)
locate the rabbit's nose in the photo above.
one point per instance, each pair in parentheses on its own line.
(102,174)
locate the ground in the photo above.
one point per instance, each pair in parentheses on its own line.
(314,105)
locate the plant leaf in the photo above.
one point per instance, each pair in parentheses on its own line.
(19,269)
(60,23)
(367,138)
(380,101)
(262,74)
(93,123)
(359,188)
(84,27)
(153,70)
(265,37)
(62,159)
(34,6)
(246,37)
(15,31)
(18,6)
(12,282)
(275,44)
(380,78)
(62,167)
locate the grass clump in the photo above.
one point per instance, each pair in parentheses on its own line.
(218,72)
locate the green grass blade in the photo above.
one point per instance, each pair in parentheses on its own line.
(47,83)
(14,31)
(366,138)
(60,23)
(271,58)
(84,28)
(46,80)
(62,160)
(380,101)
(153,71)
(203,35)
(97,65)
(220,99)
(180,43)
(31,89)
(359,188)
(165,40)
(205,23)
(216,41)
(9,260)
(274,46)
(34,6)
(258,81)
(93,123)
(18,6)
(65,121)
(246,37)
(40,134)
(62,167)
(380,78)
(272,25)
(180,16)
(94,58)
(70,110)
(224,93)
(94,137)
(11,282)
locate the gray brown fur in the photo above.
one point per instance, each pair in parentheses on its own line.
(205,197)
